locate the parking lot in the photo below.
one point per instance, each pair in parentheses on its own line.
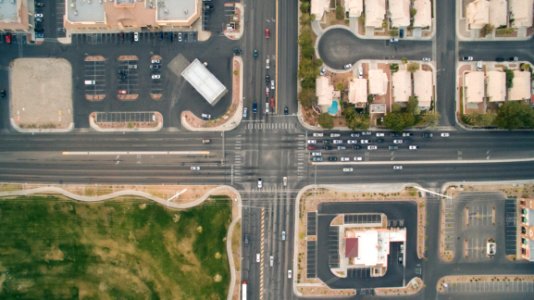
(144,37)
(95,78)
(485,287)
(128,78)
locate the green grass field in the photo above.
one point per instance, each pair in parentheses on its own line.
(122,249)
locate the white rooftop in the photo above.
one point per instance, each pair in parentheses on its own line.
(375,11)
(521,11)
(498,12)
(358,90)
(423,87)
(474,87)
(400,13)
(378,82)
(520,86)
(423,17)
(319,7)
(354,7)
(477,14)
(496,85)
(175,10)
(373,245)
(204,82)
(80,11)
(402,86)
(9,11)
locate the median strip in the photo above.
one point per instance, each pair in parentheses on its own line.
(135,153)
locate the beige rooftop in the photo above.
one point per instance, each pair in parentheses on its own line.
(319,7)
(14,15)
(324,91)
(400,13)
(521,11)
(496,86)
(358,90)
(375,11)
(378,82)
(423,17)
(423,87)
(498,12)
(474,87)
(402,86)
(477,14)
(354,7)
(520,86)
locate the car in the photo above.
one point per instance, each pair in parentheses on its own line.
(372,147)
(254,107)
(284,181)
(235,50)
(195,168)
(345,158)
(352,142)
(347,66)
(356,147)
(267,78)
(413,147)
(205,116)
(3,93)
(289,274)
(260,183)
(271,260)
(318,134)
(397,141)
(479,65)
(364,142)
(360,71)
(499,59)
(393,40)
(312,147)
(39,4)
(283,235)
(327,147)
(255,53)
(337,142)
(8,38)
(312,142)
(445,134)
(271,103)
(267,91)
(397,167)
(358,158)
(405,134)
(322,71)
(334,134)
(267,33)
(206,141)
(316,154)
(427,59)
(155,61)
(367,133)
(379,134)
(245,112)
(122,92)
(428,135)
(400,260)
(348,170)
(317,158)
(341,147)
(266,107)
(467,58)
(393,147)
(156,76)
(332,158)
(513,58)
(286,110)
(267,64)
(258,256)
(355,134)
(272,85)
(136,36)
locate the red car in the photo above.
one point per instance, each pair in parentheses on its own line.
(267,33)
(271,103)
(8,38)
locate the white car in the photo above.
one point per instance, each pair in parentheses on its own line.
(345,159)
(445,134)
(155,61)
(333,134)
(195,168)
(136,37)
(351,142)
(372,147)
(405,134)
(258,257)
(283,235)
(397,167)
(347,170)
(366,133)
(364,142)
(412,147)
(347,66)
(156,76)
(271,261)
(289,274)
(317,134)
(397,141)
(205,116)
(284,181)
(427,59)
(355,134)
(379,134)
(322,72)
(260,183)
(267,64)
(337,141)
(316,154)
(312,142)
(272,85)
(358,158)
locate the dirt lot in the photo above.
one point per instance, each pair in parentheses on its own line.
(48,103)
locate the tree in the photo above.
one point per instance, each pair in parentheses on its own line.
(305,7)
(393,67)
(340,12)
(398,121)
(326,121)
(412,106)
(340,86)
(486,29)
(413,12)
(359,121)
(412,67)
(515,115)
(429,118)
(307,97)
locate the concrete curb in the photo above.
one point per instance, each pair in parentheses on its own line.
(15,126)
(95,127)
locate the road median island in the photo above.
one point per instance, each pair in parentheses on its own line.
(445,284)
(232,118)
(309,200)
(122,221)
(126,121)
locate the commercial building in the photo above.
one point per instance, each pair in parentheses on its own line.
(319,7)
(358,91)
(399,13)
(14,16)
(369,247)
(378,82)
(520,86)
(521,12)
(354,8)
(526,222)
(402,86)
(375,12)
(496,85)
(423,16)
(119,15)
(423,88)
(474,87)
(204,82)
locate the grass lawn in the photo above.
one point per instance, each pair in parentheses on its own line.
(123,249)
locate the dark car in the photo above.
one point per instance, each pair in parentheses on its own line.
(3,93)
(513,58)
(255,53)
(356,147)
(236,51)
(427,135)
(267,79)
(327,147)
(332,158)
(254,107)
(499,59)
(286,110)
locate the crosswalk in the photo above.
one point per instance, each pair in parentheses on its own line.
(302,157)
(237,160)
(258,125)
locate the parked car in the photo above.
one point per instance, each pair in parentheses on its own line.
(318,134)
(445,134)
(322,72)
(206,141)
(334,134)
(8,38)
(136,36)
(205,116)
(467,58)
(427,59)
(332,158)
(346,170)
(397,167)
(195,168)
(156,76)
(347,66)
(372,147)
(345,158)
(260,183)
(412,147)
(397,141)
(317,158)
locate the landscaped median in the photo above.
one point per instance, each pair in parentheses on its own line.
(127,246)
(232,117)
(126,121)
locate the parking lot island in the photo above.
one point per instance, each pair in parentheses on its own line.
(126,121)
(40,102)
